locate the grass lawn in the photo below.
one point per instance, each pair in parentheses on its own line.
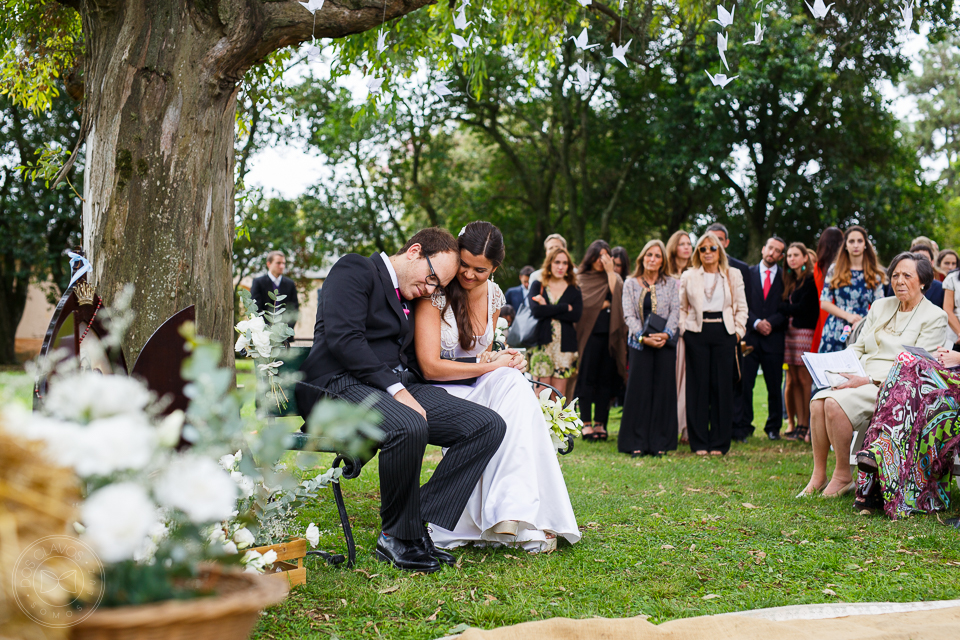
(669,538)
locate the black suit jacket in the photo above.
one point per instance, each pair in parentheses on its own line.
(259,291)
(515,297)
(361,328)
(740,266)
(765,309)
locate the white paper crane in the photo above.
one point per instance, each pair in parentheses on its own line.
(313,5)
(460,20)
(819,9)
(581,41)
(458,41)
(622,2)
(583,77)
(373,84)
(757,34)
(313,53)
(381,41)
(722,48)
(724,17)
(618,53)
(584,3)
(906,10)
(442,91)
(720,80)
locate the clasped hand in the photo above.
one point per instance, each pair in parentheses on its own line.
(764,327)
(655,340)
(853,381)
(506,358)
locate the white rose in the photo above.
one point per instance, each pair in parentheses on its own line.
(217,535)
(243,538)
(198,487)
(253,323)
(230,548)
(244,483)
(269,558)
(168,433)
(261,342)
(227,461)
(118,521)
(502,323)
(87,396)
(313,535)
(252,561)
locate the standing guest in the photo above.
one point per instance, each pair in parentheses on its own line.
(801,304)
(281,285)
(853,283)
(829,245)
(713,316)
(556,303)
(933,247)
(934,292)
(679,252)
(601,339)
(649,423)
(508,313)
(551,242)
(908,319)
(951,304)
(621,262)
(947,261)
(517,296)
(766,332)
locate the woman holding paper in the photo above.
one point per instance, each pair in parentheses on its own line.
(651,308)
(909,319)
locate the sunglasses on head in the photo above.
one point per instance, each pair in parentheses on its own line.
(712,248)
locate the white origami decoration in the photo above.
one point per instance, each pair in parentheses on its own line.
(584,3)
(819,9)
(373,84)
(619,52)
(381,41)
(313,53)
(583,77)
(313,6)
(906,11)
(442,91)
(757,34)
(720,80)
(581,41)
(460,20)
(622,2)
(458,41)
(724,17)
(722,48)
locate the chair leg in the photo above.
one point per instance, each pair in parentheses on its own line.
(344,521)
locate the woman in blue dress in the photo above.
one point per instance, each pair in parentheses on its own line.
(853,283)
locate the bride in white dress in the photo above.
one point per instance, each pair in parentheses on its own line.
(521,497)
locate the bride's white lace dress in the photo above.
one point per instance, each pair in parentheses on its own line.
(522,481)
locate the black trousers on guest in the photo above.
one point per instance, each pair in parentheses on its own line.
(473,434)
(711,367)
(597,379)
(649,422)
(772,364)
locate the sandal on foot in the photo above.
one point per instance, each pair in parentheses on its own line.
(867,462)
(600,432)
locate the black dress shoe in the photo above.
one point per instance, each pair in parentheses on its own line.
(773,435)
(404,554)
(441,556)
(953,522)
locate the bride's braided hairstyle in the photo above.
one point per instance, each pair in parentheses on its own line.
(481,239)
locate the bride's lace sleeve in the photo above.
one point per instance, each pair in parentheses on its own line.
(497,299)
(438,300)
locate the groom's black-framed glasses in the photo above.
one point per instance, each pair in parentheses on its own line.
(432,279)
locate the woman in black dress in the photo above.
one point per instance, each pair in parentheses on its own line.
(649,423)
(801,303)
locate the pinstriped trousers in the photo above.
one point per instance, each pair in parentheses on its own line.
(472,433)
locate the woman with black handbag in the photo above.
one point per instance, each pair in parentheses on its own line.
(713,317)
(651,308)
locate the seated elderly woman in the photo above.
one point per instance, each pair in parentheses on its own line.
(907,319)
(909,448)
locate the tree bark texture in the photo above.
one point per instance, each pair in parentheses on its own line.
(161,81)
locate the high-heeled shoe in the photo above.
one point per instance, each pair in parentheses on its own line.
(600,432)
(867,462)
(807,493)
(506,528)
(845,491)
(588,436)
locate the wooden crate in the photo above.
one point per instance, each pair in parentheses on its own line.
(283,569)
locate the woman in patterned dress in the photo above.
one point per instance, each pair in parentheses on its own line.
(852,285)
(913,437)
(556,302)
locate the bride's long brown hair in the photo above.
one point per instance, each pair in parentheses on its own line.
(481,239)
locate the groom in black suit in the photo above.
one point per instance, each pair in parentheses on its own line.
(362,348)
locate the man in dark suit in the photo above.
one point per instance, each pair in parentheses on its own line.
(362,350)
(766,334)
(275,281)
(517,296)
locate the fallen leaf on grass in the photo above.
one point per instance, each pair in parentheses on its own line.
(829,592)
(388,590)
(667,546)
(489,598)
(750,506)
(507,555)
(598,560)
(434,616)
(710,596)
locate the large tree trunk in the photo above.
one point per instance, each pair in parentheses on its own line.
(161,81)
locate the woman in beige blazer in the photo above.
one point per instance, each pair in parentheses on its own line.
(713,317)
(909,319)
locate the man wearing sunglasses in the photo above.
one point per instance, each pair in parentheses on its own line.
(362,352)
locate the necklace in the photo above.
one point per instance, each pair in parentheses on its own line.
(895,317)
(651,290)
(713,288)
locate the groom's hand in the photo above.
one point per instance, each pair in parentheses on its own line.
(405,397)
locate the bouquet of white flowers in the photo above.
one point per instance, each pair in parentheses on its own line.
(264,341)
(500,334)
(561,421)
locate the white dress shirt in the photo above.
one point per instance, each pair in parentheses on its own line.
(275,281)
(393,389)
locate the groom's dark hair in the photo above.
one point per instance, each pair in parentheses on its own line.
(432,240)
